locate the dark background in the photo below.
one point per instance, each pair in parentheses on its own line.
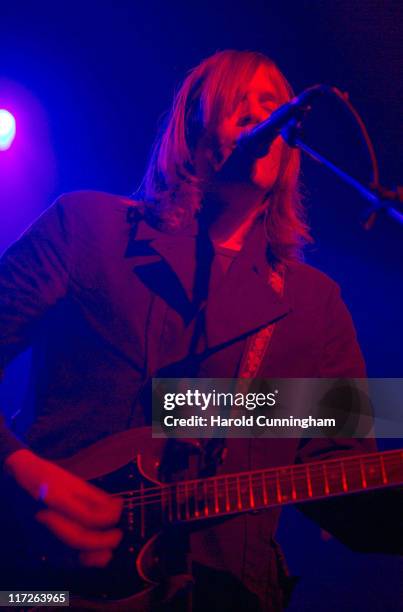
(88,83)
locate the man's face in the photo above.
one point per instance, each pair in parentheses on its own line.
(261,98)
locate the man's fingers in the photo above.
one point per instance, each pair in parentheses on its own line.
(85,503)
(97,558)
(76,536)
(64,492)
(101,506)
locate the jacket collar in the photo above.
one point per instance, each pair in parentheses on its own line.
(164,263)
(244,303)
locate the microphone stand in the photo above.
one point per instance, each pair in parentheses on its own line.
(381,199)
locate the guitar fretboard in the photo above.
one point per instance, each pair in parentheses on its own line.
(245,491)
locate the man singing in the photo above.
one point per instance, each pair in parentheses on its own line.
(184,278)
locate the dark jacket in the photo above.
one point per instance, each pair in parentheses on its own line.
(106,300)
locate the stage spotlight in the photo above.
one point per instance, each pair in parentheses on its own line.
(7,129)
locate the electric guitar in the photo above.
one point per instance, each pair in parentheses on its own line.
(128,464)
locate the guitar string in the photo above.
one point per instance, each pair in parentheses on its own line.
(182,491)
(244,492)
(271,473)
(244,506)
(355,459)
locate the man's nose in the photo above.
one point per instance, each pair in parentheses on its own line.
(253,113)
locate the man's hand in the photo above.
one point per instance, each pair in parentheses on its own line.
(80,515)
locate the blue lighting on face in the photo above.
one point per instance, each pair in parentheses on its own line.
(7,129)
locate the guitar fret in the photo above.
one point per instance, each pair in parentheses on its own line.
(195,495)
(227,500)
(393,465)
(383,471)
(278,488)
(293,489)
(343,476)
(251,495)
(178,503)
(363,477)
(265,496)
(327,490)
(187,509)
(309,481)
(238,487)
(206,509)
(216,501)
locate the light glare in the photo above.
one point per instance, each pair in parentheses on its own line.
(7,129)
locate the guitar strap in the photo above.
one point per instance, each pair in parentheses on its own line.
(255,349)
(258,344)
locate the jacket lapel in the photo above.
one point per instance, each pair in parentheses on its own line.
(164,264)
(245,301)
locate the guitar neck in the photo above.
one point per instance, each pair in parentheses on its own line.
(245,491)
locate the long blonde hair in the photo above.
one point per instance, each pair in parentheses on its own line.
(171,187)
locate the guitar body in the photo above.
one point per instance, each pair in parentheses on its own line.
(137,577)
(168,487)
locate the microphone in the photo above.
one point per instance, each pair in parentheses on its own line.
(256,142)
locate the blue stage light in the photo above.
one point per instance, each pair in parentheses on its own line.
(7,129)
